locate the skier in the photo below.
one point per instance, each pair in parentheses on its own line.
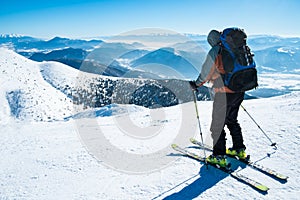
(225,105)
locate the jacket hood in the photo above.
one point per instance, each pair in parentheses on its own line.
(213,38)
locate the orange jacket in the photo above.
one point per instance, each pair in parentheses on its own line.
(215,72)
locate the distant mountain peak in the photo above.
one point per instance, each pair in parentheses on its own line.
(58,39)
(11,35)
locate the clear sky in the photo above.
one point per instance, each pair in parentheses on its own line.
(88,18)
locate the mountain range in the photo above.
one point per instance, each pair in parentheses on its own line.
(272,54)
(181,60)
(27,45)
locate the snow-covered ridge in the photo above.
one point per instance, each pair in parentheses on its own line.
(47,91)
(24,89)
(11,35)
(50,91)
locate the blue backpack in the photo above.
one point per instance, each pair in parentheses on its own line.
(239,66)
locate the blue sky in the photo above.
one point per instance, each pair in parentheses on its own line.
(88,18)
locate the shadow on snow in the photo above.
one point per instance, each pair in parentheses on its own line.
(207,178)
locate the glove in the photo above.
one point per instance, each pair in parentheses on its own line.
(193,85)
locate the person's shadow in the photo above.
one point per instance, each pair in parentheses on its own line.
(208,178)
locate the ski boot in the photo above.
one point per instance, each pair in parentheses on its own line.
(219,160)
(239,153)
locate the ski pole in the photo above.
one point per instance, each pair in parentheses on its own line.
(199,124)
(273,144)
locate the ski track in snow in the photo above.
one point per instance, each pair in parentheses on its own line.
(47,160)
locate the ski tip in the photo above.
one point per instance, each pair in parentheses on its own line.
(174,145)
(192,140)
(262,188)
(282,177)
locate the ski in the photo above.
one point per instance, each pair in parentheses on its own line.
(254,184)
(270,172)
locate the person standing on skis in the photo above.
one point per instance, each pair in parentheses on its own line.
(225,105)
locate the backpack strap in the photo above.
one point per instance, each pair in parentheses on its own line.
(223,89)
(219,64)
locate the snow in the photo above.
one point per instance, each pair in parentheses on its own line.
(285,50)
(54,150)
(22,82)
(10,35)
(280,81)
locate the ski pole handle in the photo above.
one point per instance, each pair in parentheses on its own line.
(194,86)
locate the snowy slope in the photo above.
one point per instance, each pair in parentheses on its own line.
(57,159)
(25,94)
(35,91)
(48,161)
